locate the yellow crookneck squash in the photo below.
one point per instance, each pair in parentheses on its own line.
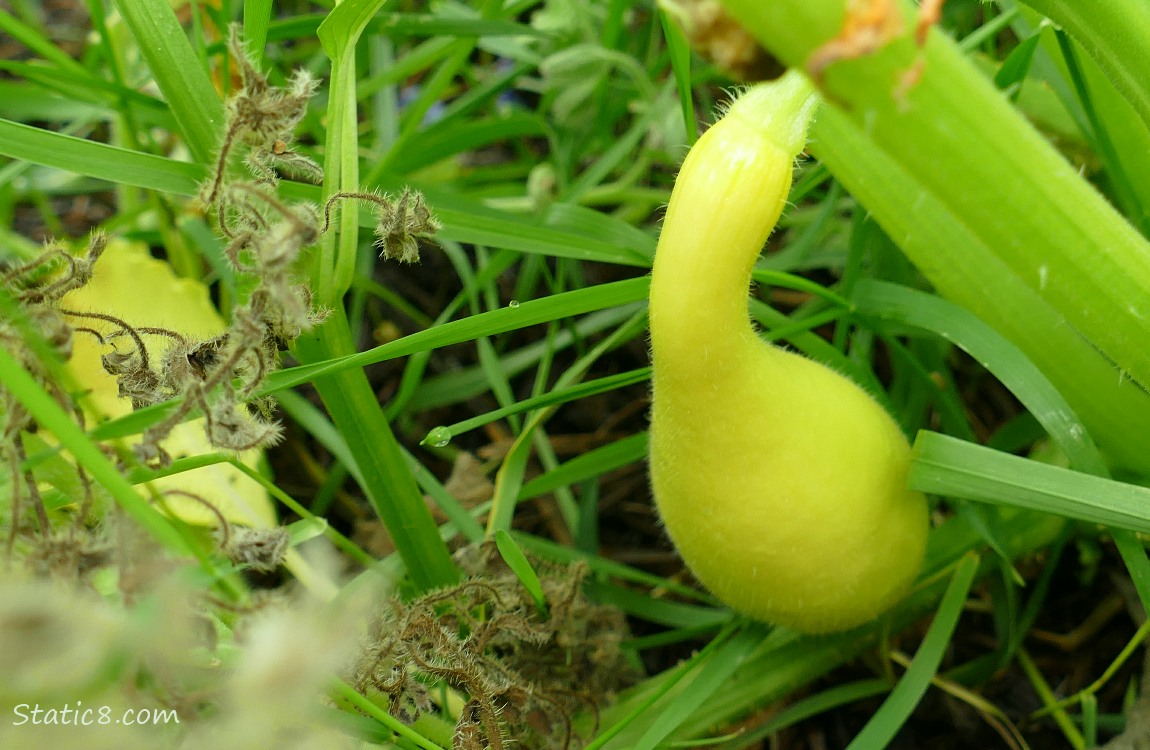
(781,482)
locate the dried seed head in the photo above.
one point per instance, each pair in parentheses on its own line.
(261,550)
(402,223)
(232,427)
(261,114)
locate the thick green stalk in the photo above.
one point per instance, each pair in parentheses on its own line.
(1115,34)
(978,158)
(966,271)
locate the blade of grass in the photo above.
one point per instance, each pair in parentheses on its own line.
(385,479)
(1128,132)
(946,466)
(257,17)
(1114,33)
(457,386)
(489,323)
(521,567)
(24,34)
(551,398)
(339,33)
(896,709)
(509,478)
(809,707)
(589,465)
(669,680)
(784,662)
(680,53)
(1117,177)
(178,72)
(406,25)
(602,566)
(99,160)
(1003,359)
(711,676)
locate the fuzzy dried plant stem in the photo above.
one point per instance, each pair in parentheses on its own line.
(17,505)
(225,527)
(21,456)
(222,161)
(132,333)
(272,200)
(346,195)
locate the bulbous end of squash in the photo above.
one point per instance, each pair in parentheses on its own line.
(783,485)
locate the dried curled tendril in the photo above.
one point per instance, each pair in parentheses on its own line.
(524,674)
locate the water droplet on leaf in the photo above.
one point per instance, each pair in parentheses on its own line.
(439,437)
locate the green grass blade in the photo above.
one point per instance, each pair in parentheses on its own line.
(605,567)
(24,34)
(551,398)
(1121,187)
(457,386)
(680,53)
(1014,68)
(80,89)
(819,703)
(178,72)
(99,160)
(509,478)
(711,677)
(1004,360)
(785,663)
(457,135)
(490,323)
(512,555)
(896,709)
(257,18)
(589,465)
(405,25)
(385,478)
(656,690)
(947,466)
(1114,33)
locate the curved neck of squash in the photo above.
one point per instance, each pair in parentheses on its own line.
(728,195)
(711,237)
